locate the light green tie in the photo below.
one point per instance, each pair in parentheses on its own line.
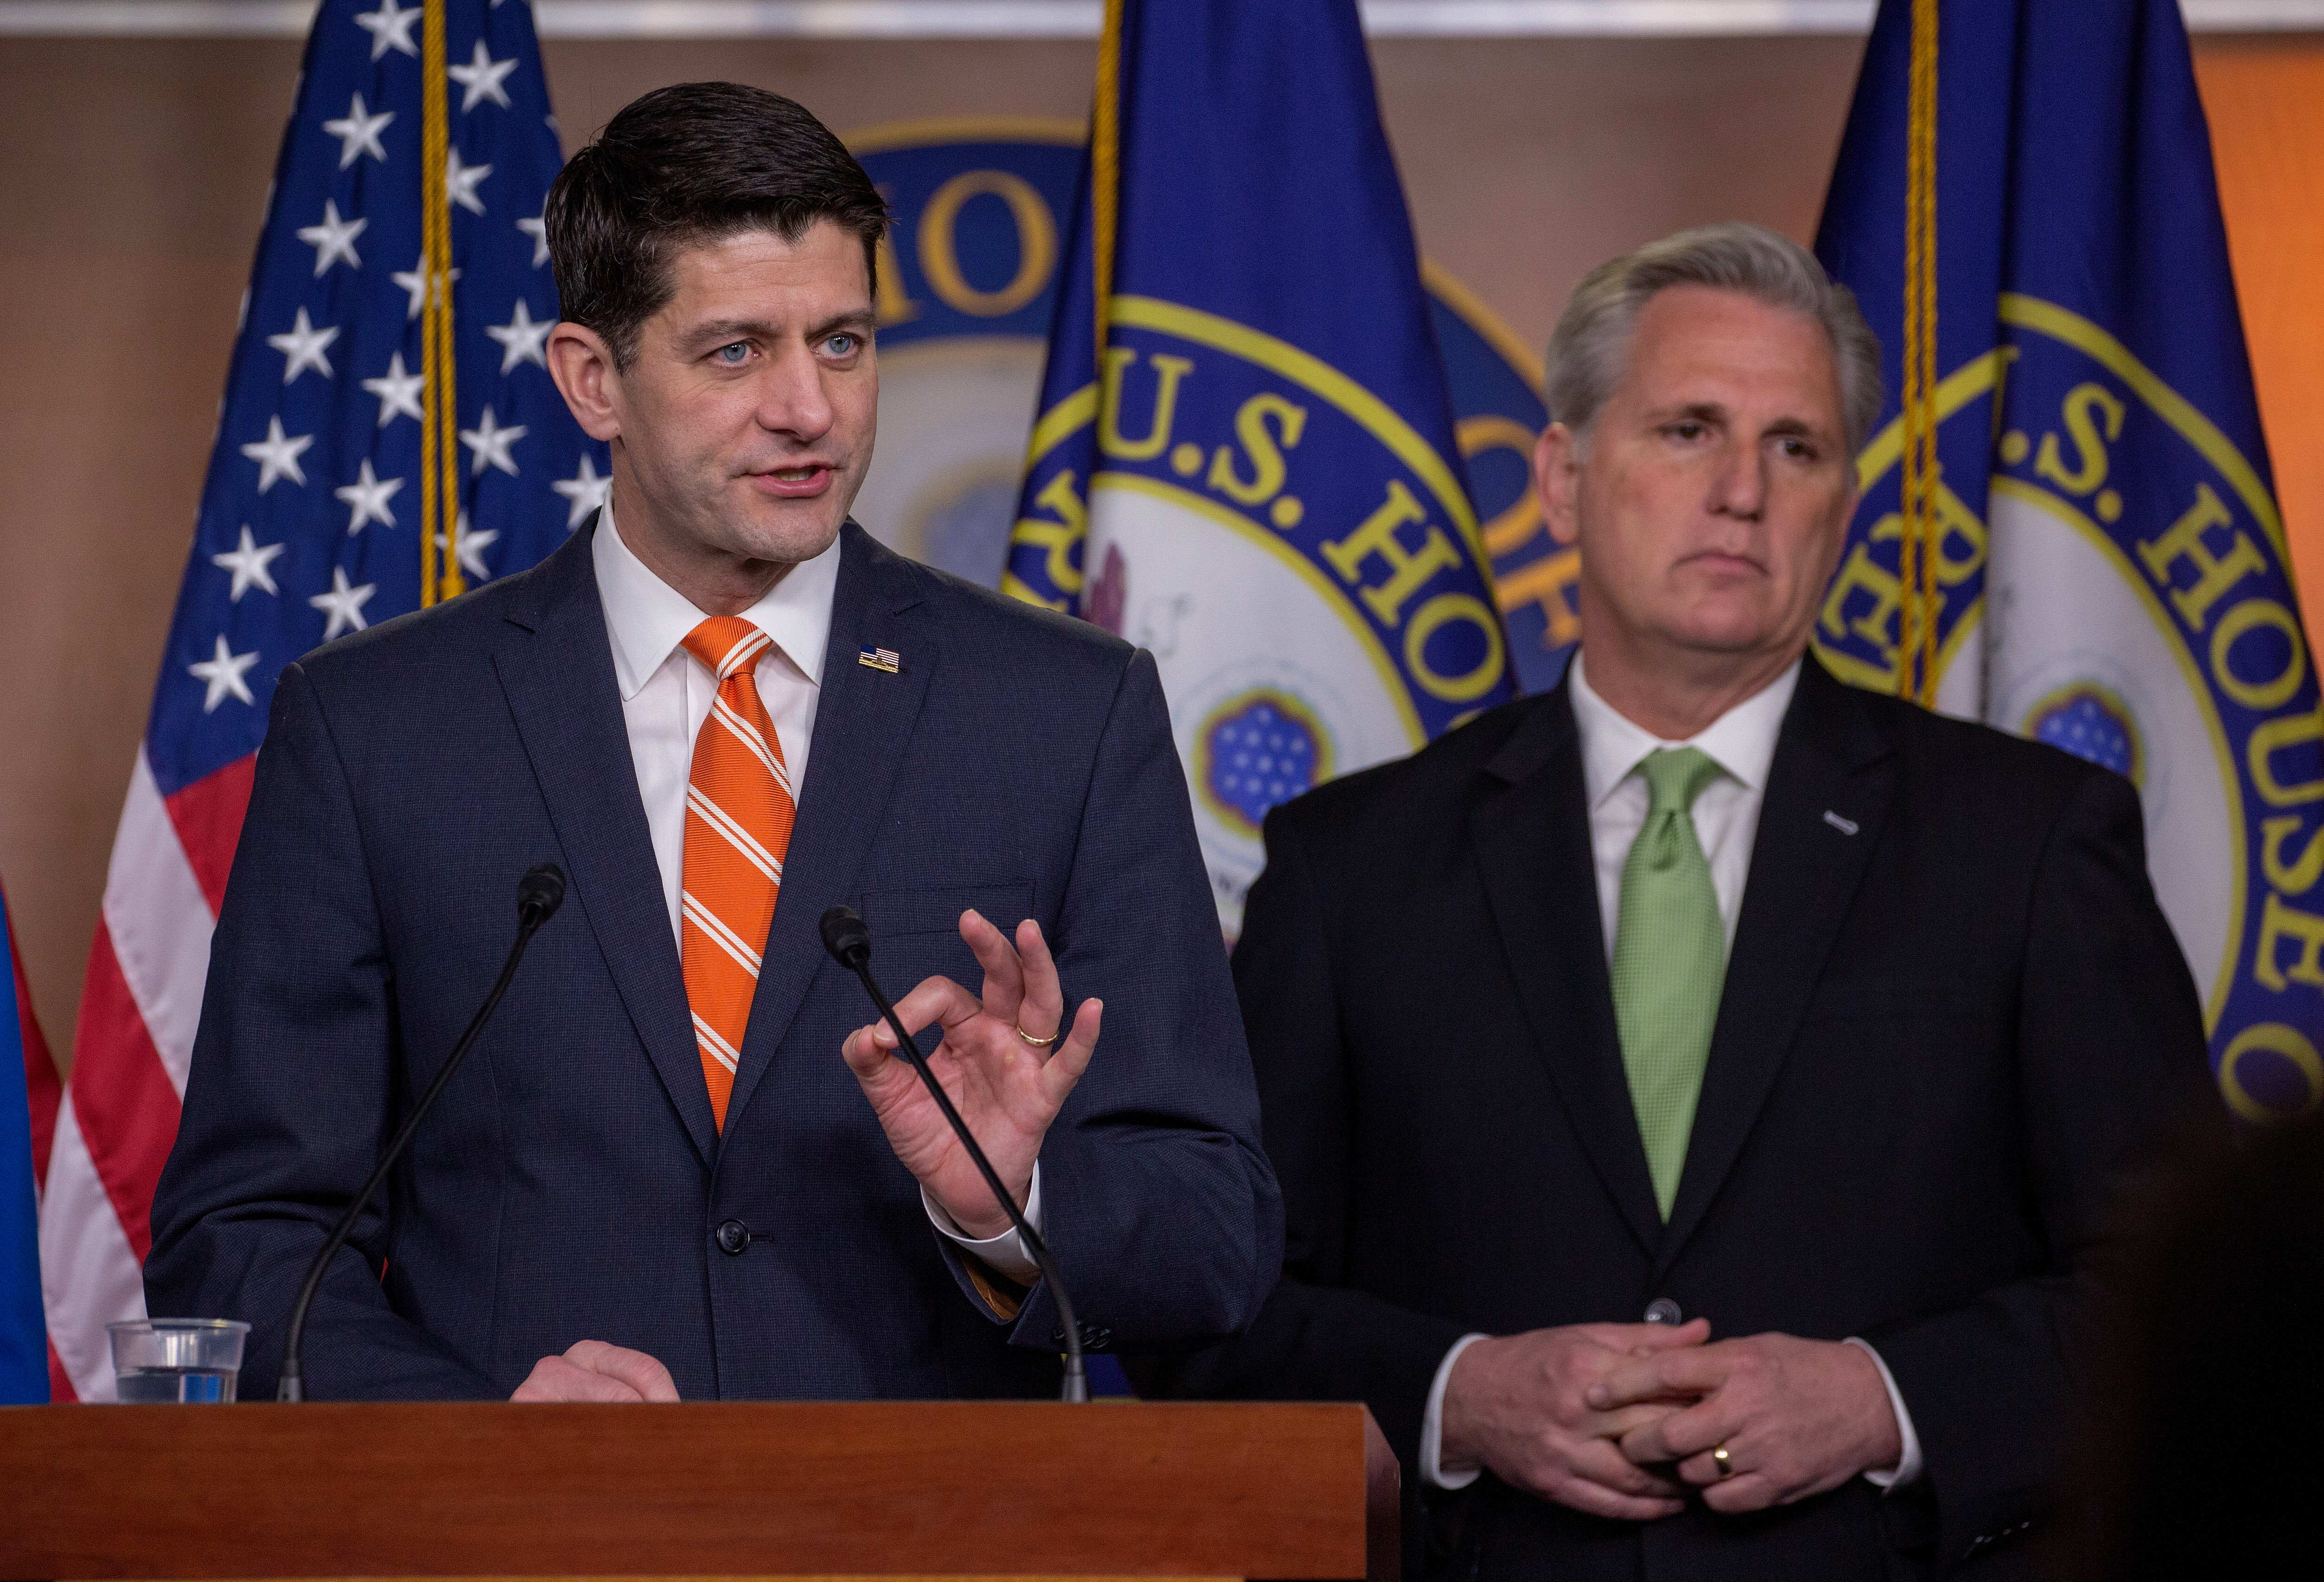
(1670,960)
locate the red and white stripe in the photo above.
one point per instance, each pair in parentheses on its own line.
(140,1005)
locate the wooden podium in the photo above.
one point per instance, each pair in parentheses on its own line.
(949,1489)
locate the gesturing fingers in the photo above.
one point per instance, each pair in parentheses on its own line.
(1004,973)
(1072,1057)
(1044,1004)
(931,999)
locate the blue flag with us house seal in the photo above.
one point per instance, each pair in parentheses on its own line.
(1244,459)
(2068,527)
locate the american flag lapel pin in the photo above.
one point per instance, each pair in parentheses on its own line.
(880,658)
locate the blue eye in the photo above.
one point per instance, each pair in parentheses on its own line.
(841,346)
(733,355)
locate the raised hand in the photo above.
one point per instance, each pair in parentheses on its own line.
(1519,1405)
(1001,1063)
(1795,1417)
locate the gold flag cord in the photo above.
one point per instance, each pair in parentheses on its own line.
(439,430)
(1105,167)
(1919,603)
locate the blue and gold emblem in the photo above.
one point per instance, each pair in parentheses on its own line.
(968,285)
(1247,458)
(2068,530)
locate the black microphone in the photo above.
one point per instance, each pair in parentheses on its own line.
(849,941)
(538,895)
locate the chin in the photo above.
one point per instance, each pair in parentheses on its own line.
(1724,632)
(785,536)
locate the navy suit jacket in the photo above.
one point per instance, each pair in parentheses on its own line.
(570,1182)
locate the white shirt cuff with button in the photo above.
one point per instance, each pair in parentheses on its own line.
(1006,1253)
(1907,1470)
(1433,1470)
(1434,1473)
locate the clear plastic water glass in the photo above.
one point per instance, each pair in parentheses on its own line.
(177,1359)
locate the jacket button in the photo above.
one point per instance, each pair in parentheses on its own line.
(733,1237)
(1663,1310)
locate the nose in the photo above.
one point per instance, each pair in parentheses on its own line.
(792,400)
(1739,488)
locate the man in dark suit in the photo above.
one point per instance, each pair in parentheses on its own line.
(1556,1096)
(679,1163)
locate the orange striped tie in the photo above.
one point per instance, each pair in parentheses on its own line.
(738,808)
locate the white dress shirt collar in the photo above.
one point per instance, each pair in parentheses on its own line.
(646,618)
(1741,741)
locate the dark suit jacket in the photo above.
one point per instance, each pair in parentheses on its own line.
(570,1181)
(1951,1012)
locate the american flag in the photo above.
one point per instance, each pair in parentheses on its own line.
(310,527)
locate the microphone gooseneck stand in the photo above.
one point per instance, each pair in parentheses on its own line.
(538,895)
(849,940)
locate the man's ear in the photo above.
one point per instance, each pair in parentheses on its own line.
(1557,482)
(582,364)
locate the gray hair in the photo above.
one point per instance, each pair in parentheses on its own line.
(1591,344)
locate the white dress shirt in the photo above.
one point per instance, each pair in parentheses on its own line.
(1742,743)
(666,695)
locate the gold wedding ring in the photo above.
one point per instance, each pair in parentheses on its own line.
(1039,1043)
(1718,1457)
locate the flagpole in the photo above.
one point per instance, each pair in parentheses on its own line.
(440,451)
(1917,547)
(1106,171)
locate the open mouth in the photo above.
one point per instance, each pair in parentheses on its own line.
(794,481)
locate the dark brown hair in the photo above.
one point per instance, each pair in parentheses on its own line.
(687,164)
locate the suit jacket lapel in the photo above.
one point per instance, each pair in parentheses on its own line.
(1805,868)
(863,725)
(1532,840)
(555,666)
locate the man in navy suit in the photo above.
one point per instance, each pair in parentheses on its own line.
(635,1188)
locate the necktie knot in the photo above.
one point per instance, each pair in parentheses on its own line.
(1675,776)
(727,645)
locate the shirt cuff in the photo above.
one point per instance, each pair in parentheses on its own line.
(1005,1254)
(1433,1472)
(1907,1470)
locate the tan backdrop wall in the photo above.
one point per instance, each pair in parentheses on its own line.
(133,175)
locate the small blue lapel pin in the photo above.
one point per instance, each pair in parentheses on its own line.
(1844,826)
(880,658)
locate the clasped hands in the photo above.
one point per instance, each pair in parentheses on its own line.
(1620,1419)
(1001,1063)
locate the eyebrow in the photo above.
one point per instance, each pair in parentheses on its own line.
(1711,412)
(719,331)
